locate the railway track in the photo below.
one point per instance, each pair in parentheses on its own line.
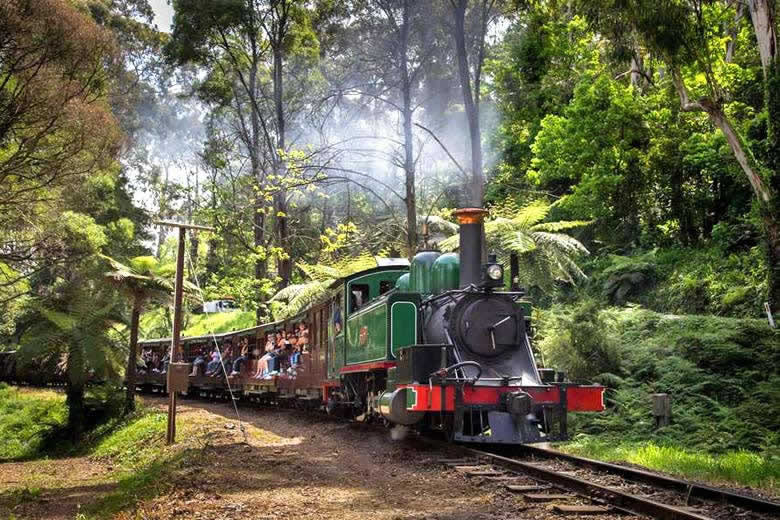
(577,486)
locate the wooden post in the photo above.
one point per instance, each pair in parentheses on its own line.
(175,345)
(176,351)
(662,409)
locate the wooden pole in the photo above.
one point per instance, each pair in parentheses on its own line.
(176,352)
(175,345)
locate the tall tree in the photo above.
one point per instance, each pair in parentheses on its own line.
(248,47)
(680,33)
(395,46)
(472,20)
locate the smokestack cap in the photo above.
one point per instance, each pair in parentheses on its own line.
(471,215)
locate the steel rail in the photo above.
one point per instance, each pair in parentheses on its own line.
(692,489)
(624,501)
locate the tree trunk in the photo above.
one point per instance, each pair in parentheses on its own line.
(772,94)
(74,400)
(477,181)
(410,198)
(284,264)
(74,392)
(132,357)
(258,217)
(764,26)
(733,32)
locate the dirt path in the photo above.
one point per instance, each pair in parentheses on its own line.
(291,466)
(295,467)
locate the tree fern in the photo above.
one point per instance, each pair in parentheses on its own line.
(295,298)
(544,253)
(74,332)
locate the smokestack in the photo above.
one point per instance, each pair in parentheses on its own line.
(470,221)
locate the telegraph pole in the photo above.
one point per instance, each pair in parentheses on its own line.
(177,378)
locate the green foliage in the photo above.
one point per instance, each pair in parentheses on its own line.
(717,370)
(627,276)
(295,298)
(582,341)
(546,255)
(26,419)
(202,324)
(742,468)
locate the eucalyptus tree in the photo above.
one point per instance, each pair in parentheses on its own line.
(394,43)
(472,20)
(687,37)
(260,61)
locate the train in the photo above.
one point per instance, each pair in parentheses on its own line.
(436,344)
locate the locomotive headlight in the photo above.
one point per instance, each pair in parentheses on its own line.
(495,272)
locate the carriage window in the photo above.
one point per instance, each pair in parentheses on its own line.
(384,286)
(358,296)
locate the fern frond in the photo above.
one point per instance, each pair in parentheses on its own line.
(561,241)
(532,214)
(560,225)
(288,293)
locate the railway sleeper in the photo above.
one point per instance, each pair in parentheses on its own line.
(576,509)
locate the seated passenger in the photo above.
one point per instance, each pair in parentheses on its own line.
(262,363)
(213,365)
(243,358)
(227,358)
(155,363)
(198,362)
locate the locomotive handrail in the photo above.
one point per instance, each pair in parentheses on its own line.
(442,372)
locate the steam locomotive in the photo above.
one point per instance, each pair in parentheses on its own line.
(432,345)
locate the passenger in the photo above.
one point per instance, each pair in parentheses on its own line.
(262,363)
(164,363)
(337,314)
(227,357)
(243,358)
(213,367)
(305,340)
(155,364)
(197,364)
(140,365)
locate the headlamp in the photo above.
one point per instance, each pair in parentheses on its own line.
(492,273)
(495,272)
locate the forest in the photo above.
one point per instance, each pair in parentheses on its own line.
(628,152)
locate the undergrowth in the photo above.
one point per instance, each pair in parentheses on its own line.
(143,462)
(698,280)
(134,446)
(26,420)
(743,467)
(720,373)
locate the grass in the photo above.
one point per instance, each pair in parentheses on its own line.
(155,323)
(740,468)
(134,446)
(26,418)
(202,324)
(138,449)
